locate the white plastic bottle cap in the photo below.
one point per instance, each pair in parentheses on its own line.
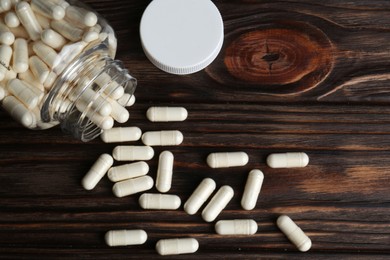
(181,36)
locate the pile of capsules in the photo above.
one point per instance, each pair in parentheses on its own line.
(38,39)
(132,178)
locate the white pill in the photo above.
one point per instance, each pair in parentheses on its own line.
(164,172)
(236,227)
(287,160)
(53,39)
(128,171)
(177,246)
(5,5)
(97,171)
(229,159)
(98,103)
(18,111)
(119,113)
(109,86)
(38,68)
(67,30)
(162,138)
(20,57)
(5,54)
(90,36)
(49,82)
(159,201)
(28,20)
(166,114)
(103,122)
(45,53)
(48,9)
(132,186)
(81,16)
(29,77)
(252,189)
(11,20)
(22,92)
(199,196)
(133,153)
(127,100)
(294,233)
(125,237)
(121,134)
(6,36)
(217,203)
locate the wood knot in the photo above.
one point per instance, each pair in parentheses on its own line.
(282,58)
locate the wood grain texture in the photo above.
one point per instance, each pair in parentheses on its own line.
(292,76)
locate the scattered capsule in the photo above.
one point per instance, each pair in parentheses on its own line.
(48,9)
(166,114)
(294,233)
(45,53)
(199,196)
(217,203)
(11,20)
(81,16)
(20,57)
(53,39)
(28,20)
(5,54)
(18,111)
(287,160)
(162,138)
(125,237)
(121,134)
(252,189)
(236,227)
(229,159)
(119,113)
(6,36)
(127,100)
(132,186)
(177,246)
(164,172)
(133,153)
(97,171)
(128,171)
(159,201)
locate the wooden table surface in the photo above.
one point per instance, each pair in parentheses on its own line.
(301,75)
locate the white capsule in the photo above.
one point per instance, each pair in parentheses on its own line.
(252,189)
(128,171)
(125,237)
(92,34)
(81,16)
(177,246)
(287,160)
(38,68)
(103,122)
(164,172)
(132,186)
(162,138)
(159,201)
(199,196)
(97,171)
(5,5)
(18,111)
(166,114)
(109,86)
(5,54)
(6,36)
(27,76)
(48,9)
(121,134)
(119,113)
(20,57)
(98,103)
(23,93)
(230,159)
(217,203)
(294,233)
(127,100)
(49,82)
(236,227)
(133,153)
(11,20)
(67,30)
(45,53)
(53,39)
(28,20)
